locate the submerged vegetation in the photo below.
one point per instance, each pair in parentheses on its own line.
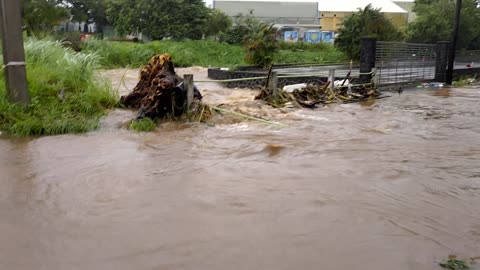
(66,97)
(456,264)
(143,125)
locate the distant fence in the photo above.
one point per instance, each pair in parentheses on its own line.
(464,56)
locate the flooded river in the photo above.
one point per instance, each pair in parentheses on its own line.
(392,184)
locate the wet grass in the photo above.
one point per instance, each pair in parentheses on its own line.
(205,53)
(66,97)
(143,125)
(453,263)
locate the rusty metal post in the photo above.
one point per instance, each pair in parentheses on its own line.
(13,52)
(188,81)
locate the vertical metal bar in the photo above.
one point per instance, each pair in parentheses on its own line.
(453,47)
(412,56)
(13,52)
(188,81)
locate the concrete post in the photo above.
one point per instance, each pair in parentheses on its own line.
(13,52)
(441,61)
(273,84)
(188,81)
(368,47)
(331,78)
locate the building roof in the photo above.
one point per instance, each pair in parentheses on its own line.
(298,1)
(340,5)
(386,6)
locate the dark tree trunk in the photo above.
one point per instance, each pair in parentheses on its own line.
(160,91)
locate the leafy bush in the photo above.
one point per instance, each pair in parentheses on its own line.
(218,22)
(429,27)
(243,26)
(366,22)
(261,46)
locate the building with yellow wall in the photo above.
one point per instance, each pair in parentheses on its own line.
(332,13)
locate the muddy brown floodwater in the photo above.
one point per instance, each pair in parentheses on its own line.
(392,184)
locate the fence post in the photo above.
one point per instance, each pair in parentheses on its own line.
(368,47)
(273,84)
(13,52)
(331,78)
(441,61)
(188,81)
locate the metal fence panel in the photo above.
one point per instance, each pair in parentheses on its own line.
(400,63)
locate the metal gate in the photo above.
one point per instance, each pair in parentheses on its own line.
(399,63)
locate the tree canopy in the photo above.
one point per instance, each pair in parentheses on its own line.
(366,22)
(218,22)
(177,19)
(435,22)
(88,11)
(42,15)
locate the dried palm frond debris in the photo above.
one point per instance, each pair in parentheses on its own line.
(160,91)
(311,95)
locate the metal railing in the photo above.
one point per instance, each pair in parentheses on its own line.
(330,74)
(404,63)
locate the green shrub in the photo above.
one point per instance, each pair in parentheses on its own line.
(261,46)
(366,22)
(66,97)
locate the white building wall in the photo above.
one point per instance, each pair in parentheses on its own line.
(272,11)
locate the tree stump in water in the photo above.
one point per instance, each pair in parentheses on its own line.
(160,92)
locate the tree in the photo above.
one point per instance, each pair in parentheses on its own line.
(218,22)
(177,19)
(366,22)
(40,16)
(244,25)
(88,11)
(429,27)
(261,45)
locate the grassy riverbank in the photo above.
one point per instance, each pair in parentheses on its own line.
(205,53)
(65,95)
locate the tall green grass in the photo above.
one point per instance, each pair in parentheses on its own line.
(205,53)
(66,96)
(184,53)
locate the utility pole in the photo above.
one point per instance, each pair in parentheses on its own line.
(13,52)
(453,47)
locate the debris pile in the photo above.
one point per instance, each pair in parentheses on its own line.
(160,91)
(311,95)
